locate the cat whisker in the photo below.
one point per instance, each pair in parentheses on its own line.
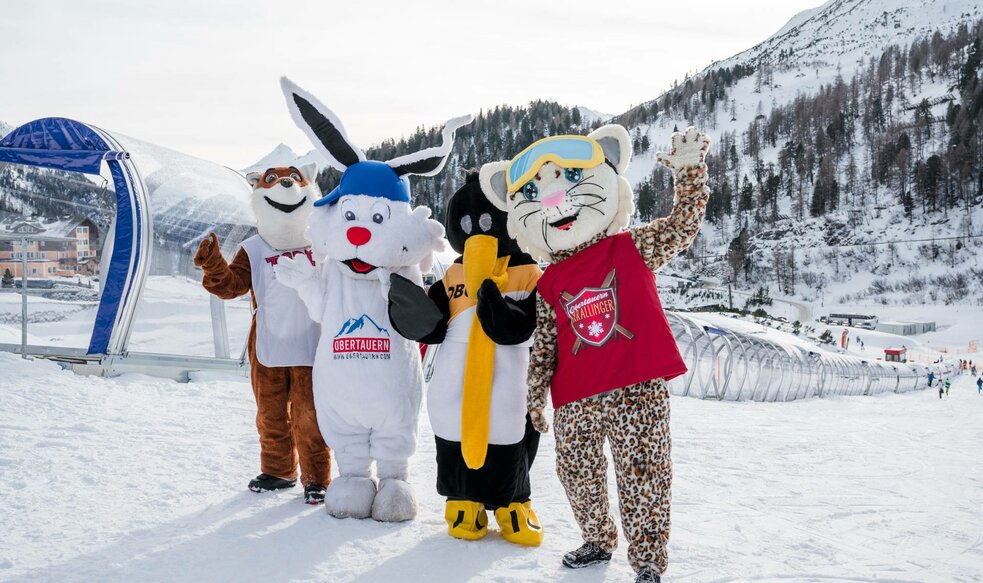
(593,194)
(579,184)
(587,206)
(525,218)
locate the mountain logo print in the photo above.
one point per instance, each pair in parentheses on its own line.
(361,338)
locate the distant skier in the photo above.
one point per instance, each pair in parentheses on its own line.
(941,390)
(931,379)
(948,383)
(979,386)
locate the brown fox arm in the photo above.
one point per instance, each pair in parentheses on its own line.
(665,237)
(226,280)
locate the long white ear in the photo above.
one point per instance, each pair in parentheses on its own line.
(616,143)
(435,235)
(321,125)
(253,178)
(429,161)
(491,178)
(309,171)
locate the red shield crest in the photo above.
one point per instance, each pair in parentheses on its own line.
(593,314)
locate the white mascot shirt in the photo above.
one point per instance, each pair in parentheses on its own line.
(285,333)
(379,369)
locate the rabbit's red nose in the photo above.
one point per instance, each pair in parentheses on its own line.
(359,236)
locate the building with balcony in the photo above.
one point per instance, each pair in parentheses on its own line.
(54,248)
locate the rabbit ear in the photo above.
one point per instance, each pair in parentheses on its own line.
(429,161)
(321,125)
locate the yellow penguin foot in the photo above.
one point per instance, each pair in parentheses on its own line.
(466,520)
(519,524)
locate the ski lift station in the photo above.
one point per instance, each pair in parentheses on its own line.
(142,307)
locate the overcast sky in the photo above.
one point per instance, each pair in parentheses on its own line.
(202,77)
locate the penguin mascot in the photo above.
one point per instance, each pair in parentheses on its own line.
(482,313)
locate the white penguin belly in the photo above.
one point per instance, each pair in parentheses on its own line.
(445,391)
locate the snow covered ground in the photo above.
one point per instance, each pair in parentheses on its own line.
(141,479)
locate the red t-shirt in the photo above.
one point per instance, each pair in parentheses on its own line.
(612,330)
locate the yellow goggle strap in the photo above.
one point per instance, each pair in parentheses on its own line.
(564,151)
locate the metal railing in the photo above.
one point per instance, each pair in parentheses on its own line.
(729,365)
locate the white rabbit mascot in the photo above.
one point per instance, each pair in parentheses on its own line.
(368,380)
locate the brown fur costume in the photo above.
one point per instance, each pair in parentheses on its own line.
(285,416)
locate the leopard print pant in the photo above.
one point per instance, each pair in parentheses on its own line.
(635,422)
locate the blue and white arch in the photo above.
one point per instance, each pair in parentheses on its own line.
(73,146)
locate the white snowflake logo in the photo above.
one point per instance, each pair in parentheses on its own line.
(595,329)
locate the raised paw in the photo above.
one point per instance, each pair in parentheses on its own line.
(395,501)
(294,271)
(688,149)
(350,497)
(209,250)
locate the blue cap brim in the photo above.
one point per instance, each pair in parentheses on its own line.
(328,199)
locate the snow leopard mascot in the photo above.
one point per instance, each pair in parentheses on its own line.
(368,381)
(603,346)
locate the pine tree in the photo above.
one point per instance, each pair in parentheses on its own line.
(972,64)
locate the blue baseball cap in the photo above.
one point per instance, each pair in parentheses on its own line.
(370,178)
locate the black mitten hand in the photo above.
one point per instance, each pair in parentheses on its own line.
(504,320)
(412,313)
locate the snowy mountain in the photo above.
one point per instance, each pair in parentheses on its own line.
(5,129)
(282,155)
(846,32)
(590,116)
(845,161)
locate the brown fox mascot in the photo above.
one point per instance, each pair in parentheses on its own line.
(283,338)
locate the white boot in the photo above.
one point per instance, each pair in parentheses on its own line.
(350,497)
(395,501)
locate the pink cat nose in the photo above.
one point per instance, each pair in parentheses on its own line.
(554,199)
(359,236)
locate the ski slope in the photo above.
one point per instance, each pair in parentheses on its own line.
(141,479)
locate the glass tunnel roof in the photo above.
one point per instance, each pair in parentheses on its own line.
(189,198)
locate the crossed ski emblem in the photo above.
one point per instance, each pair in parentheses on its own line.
(593,313)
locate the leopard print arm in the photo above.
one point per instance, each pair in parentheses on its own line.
(665,237)
(542,361)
